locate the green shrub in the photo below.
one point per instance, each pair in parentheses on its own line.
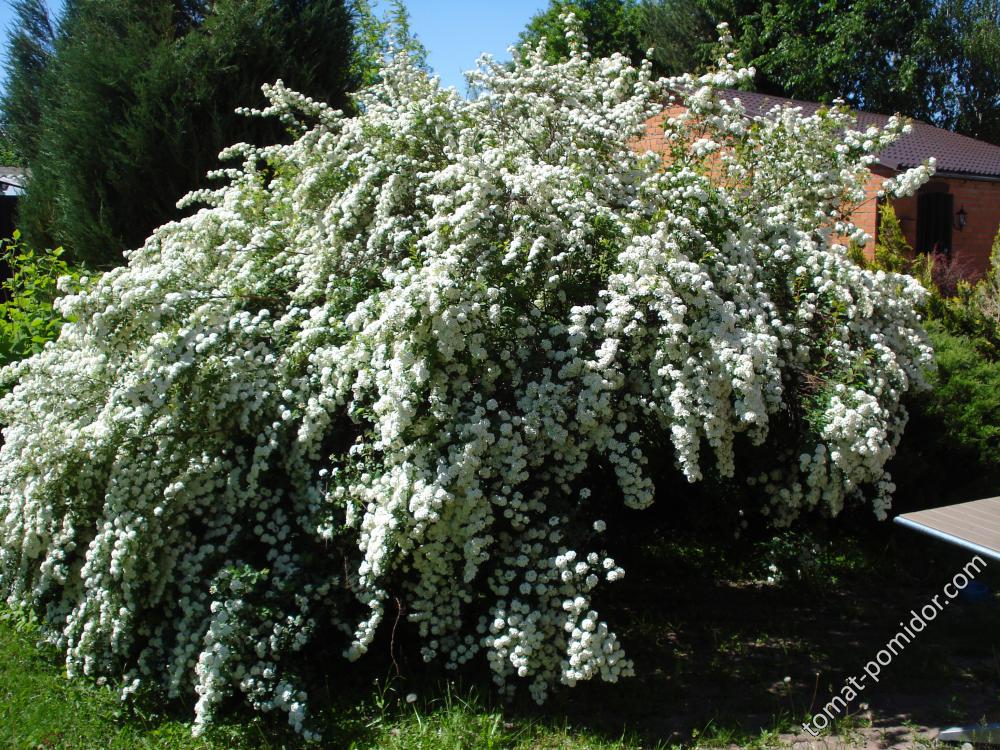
(970,309)
(28,318)
(974,309)
(966,395)
(949,450)
(892,251)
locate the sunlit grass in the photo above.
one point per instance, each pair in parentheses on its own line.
(41,709)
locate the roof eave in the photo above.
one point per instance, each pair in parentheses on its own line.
(975,177)
(948,175)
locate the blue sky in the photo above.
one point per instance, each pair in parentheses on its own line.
(6,17)
(454,32)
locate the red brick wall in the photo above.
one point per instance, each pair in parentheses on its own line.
(981,200)
(971,246)
(652,139)
(865,216)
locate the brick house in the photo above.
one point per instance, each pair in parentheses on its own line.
(11,188)
(958,210)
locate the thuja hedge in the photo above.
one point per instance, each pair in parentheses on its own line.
(386,363)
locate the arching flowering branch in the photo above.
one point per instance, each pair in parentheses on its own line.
(384,364)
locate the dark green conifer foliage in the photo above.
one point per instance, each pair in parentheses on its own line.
(139,96)
(29,50)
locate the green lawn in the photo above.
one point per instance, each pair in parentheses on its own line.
(728,655)
(41,709)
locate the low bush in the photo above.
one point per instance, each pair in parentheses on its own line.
(28,318)
(951,447)
(892,253)
(966,396)
(974,309)
(413,365)
(950,451)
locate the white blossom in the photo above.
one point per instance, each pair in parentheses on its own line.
(389,360)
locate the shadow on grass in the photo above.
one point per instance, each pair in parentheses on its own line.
(722,648)
(723,657)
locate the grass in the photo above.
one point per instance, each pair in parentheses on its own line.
(730,654)
(42,710)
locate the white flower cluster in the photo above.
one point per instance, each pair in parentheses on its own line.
(909,182)
(391,362)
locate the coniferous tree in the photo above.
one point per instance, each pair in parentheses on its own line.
(29,51)
(8,154)
(138,97)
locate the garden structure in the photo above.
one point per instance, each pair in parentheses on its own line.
(11,187)
(973,526)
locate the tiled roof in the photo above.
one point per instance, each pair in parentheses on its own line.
(955,154)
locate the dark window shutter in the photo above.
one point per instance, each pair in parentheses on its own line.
(934,212)
(949,211)
(922,221)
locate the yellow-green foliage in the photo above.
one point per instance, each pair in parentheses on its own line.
(892,251)
(974,310)
(990,284)
(856,252)
(970,309)
(959,419)
(27,317)
(922,269)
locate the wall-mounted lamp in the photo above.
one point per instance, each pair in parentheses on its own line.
(960,219)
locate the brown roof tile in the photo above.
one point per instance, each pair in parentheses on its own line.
(957,154)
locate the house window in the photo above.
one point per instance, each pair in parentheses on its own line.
(935,207)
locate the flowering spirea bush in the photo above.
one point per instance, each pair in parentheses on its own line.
(387,362)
